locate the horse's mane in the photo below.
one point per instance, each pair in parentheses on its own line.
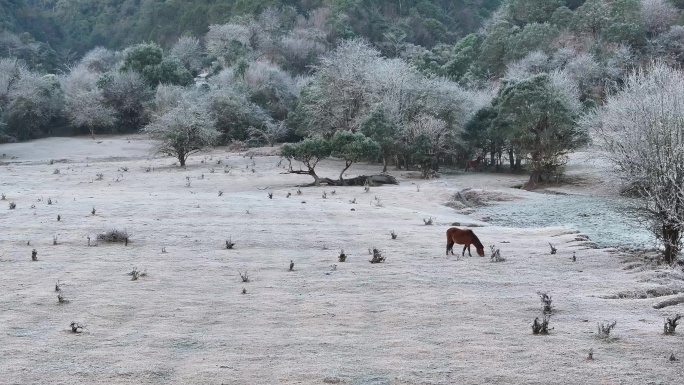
(476,240)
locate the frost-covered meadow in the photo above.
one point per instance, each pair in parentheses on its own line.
(418,318)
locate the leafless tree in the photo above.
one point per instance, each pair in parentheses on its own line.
(641,130)
(188,51)
(85,101)
(184,128)
(271,132)
(657,15)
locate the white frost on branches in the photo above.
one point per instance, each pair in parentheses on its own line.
(84,100)
(641,129)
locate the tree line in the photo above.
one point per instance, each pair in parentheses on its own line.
(536,82)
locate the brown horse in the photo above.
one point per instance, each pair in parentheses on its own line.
(474,164)
(463,237)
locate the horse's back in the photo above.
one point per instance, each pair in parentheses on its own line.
(460,236)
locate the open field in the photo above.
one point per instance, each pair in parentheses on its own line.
(419,318)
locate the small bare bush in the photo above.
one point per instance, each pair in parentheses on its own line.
(553,249)
(352,201)
(291,265)
(244,291)
(604,328)
(324,195)
(61,299)
(299,192)
(393,234)
(49,201)
(342,257)
(99,176)
(244,277)
(541,327)
(57,288)
(496,254)
(377,256)
(56,171)
(12,205)
(428,222)
(54,240)
(135,274)
(76,327)
(34,255)
(114,236)
(229,243)
(270,195)
(671,324)
(93,211)
(220,192)
(546,301)
(3,197)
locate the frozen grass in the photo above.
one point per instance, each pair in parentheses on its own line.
(418,318)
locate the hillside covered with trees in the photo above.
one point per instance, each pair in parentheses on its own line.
(427,82)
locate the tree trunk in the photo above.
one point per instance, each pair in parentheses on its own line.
(671,240)
(356,181)
(511,160)
(384,163)
(347,164)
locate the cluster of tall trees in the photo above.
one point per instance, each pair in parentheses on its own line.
(408,82)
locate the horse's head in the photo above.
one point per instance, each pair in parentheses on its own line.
(480,251)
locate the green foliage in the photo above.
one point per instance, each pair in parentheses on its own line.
(383,131)
(523,12)
(495,48)
(141,56)
(479,131)
(625,11)
(562,18)
(591,17)
(353,147)
(147,60)
(309,151)
(626,33)
(542,119)
(169,71)
(533,37)
(466,52)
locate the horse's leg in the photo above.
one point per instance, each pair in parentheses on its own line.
(464,249)
(450,247)
(470,255)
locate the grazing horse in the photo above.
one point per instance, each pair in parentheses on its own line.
(463,237)
(474,164)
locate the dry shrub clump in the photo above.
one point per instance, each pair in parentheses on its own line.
(114,235)
(377,256)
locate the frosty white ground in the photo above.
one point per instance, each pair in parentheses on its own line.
(419,318)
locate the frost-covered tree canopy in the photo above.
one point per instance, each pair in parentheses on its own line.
(641,129)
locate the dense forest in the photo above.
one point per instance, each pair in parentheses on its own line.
(414,82)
